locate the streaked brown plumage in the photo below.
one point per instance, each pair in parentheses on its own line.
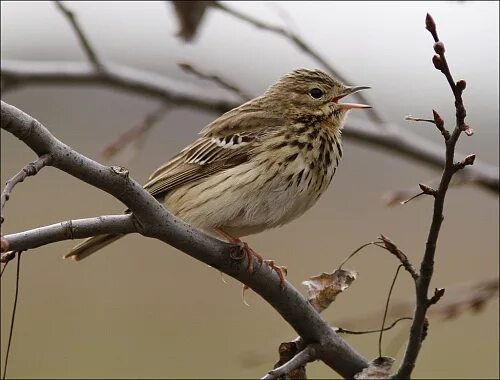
(257,166)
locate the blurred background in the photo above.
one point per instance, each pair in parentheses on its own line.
(142,309)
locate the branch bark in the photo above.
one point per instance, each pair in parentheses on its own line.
(153,220)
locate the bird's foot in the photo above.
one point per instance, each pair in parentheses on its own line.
(281,271)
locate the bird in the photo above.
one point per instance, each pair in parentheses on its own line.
(257,166)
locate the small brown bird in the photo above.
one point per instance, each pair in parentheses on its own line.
(257,166)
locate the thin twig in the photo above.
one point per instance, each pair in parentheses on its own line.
(427,264)
(305,356)
(341,330)
(84,41)
(302,45)
(224,83)
(390,246)
(133,133)
(13,318)
(386,309)
(30,169)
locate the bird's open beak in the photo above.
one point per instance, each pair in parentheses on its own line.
(349,91)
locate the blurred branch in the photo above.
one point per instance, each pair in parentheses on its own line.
(153,220)
(84,42)
(408,144)
(302,45)
(16,74)
(459,299)
(30,169)
(133,133)
(216,79)
(417,331)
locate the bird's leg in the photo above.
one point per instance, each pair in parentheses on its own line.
(249,252)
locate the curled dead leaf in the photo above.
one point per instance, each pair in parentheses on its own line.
(379,368)
(322,289)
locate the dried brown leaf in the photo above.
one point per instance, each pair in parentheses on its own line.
(287,350)
(322,289)
(379,368)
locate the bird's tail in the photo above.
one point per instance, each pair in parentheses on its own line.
(91,245)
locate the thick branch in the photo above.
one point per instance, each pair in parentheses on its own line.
(71,229)
(155,221)
(404,142)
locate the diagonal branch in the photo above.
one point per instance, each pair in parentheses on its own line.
(408,144)
(153,220)
(84,41)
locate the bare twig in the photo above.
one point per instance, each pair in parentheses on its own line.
(305,356)
(133,133)
(29,170)
(398,196)
(153,220)
(13,317)
(388,244)
(16,74)
(68,230)
(302,45)
(224,83)
(84,41)
(341,330)
(386,310)
(427,264)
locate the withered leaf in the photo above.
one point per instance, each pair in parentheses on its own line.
(322,289)
(379,368)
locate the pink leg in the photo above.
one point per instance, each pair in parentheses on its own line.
(249,252)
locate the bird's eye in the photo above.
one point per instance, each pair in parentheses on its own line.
(316,93)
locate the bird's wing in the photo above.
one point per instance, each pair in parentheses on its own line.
(206,156)
(226,142)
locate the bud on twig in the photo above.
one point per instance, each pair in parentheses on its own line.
(468,130)
(430,25)
(438,64)
(438,120)
(469,160)
(438,293)
(439,48)
(427,189)
(461,84)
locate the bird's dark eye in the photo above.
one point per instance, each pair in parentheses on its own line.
(316,93)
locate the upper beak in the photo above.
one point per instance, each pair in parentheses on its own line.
(349,91)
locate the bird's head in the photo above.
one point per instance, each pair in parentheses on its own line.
(312,93)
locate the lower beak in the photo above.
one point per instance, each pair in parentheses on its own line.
(349,91)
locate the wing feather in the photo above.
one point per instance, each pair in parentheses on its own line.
(205,157)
